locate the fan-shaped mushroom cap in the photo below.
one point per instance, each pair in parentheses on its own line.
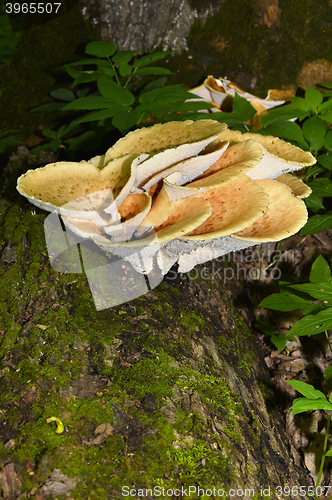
(297,186)
(236,205)
(83,228)
(166,143)
(279,156)
(165,136)
(191,212)
(184,216)
(286,215)
(80,189)
(97,161)
(234,162)
(190,168)
(132,211)
(158,213)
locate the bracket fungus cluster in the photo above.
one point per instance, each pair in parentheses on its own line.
(183,192)
(220,92)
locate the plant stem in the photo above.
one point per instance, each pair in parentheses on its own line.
(328,341)
(324,452)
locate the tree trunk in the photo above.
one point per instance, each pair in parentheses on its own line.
(167,391)
(137,25)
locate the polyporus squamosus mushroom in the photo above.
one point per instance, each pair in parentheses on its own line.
(181,192)
(220,92)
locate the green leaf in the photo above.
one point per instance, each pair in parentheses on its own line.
(125,70)
(320,291)
(279,341)
(325,161)
(325,106)
(313,97)
(307,390)
(83,92)
(321,187)
(284,113)
(100,115)
(224,117)
(150,58)
(125,120)
(328,375)
(300,103)
(124,56)
(313,309)
(286,130)
(63,95)
(49,133)
(320,271)
(86,77)
(85,142)
(155,84)
(328,140)
(317,223)
(242,109)
(311,325)
(8,141)
(315,203)
(50,106)
(194,106)
(327,116)
(314,132)
(100,49)
(264,326)
(154,70)
(55,144)
(302,404)
(90,102)
(171,93)
(284,302)
(114,91)
(329,453)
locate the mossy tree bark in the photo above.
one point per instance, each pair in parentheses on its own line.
(177,375)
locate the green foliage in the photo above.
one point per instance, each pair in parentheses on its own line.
(114,90)
(314,298)
(8,39)
(313,400)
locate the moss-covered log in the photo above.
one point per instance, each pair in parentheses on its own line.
(168,391)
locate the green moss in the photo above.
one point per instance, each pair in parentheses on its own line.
(192,321)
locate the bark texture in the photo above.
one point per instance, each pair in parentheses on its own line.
(168,390)
(145,25)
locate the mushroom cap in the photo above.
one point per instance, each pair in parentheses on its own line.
(234,162)
(83,228)
(169,135)
(286,215)
(297,186)
(279,156)
(79,189)
(236,205)
(132,212)
(185,215)
(158,213)
(191,167)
